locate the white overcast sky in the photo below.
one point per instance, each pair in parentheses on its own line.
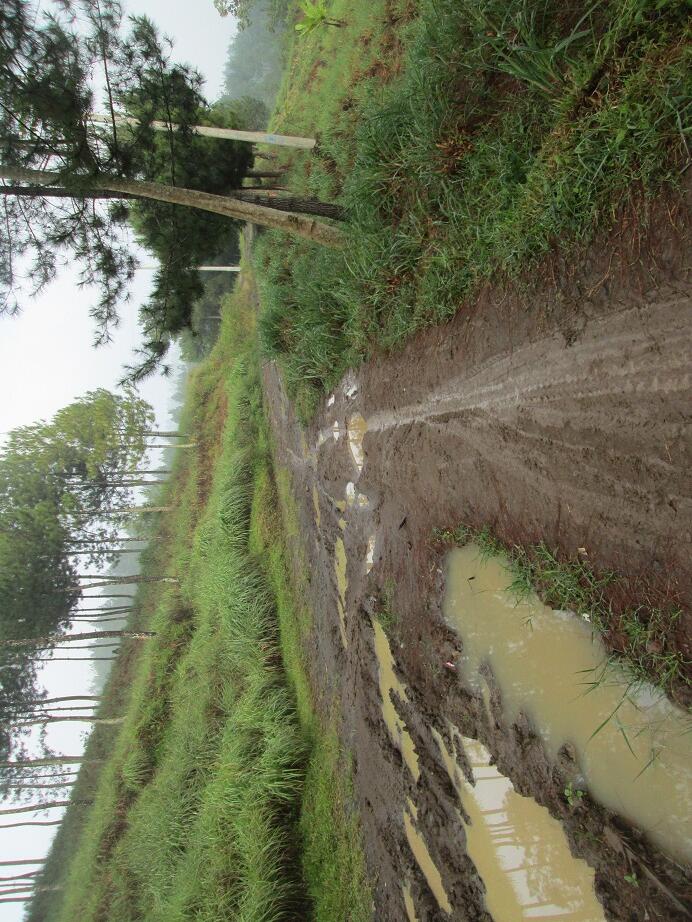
(47,358)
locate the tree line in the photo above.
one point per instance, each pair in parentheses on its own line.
(68,489)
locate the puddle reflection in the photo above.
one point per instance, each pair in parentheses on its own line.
(638,763)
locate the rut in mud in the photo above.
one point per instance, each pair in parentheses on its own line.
(558,425)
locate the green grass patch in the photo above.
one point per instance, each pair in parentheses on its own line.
(223,784)
(644,635)
(196,812)
(330,838)
(517,129)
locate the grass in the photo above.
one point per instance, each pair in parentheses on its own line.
(645,634)
(480,139)
(225,795)
(385,611)
(330,837)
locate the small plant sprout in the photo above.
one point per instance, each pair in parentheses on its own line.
(315,14)
(573,795)
(631,878)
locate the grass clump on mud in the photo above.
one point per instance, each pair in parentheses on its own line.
(493,134)
(643,638)
(223,786)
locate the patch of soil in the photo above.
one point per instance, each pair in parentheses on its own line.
(564,420)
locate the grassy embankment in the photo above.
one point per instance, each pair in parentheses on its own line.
(468,141)
(226,795)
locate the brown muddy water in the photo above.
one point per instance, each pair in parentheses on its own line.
(340,564)
(316,506)
(356,429)
(409,904)
(390,682)
(520,851)
(545,663)
(424,859)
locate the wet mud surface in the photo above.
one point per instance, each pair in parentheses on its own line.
(565,420)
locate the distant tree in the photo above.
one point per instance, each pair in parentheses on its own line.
(255,57)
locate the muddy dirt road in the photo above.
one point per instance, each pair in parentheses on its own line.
(565,421)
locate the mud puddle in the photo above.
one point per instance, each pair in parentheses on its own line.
(340,564)
(409,904)
(520,851)
(632,745)
(424,859)
(357,427)
(389,682)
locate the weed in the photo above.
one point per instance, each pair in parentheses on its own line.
(573,795)
(385,613)
(315,14)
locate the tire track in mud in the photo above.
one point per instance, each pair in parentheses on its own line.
(584,445)
(580,444)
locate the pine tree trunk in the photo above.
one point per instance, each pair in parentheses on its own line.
(40,787)
(51,639)
(297,225)
(265,174)
(231,134)
(112,595)
(290,203)
(39,889)
(124,582)
(108,721)
(30,823)
(51,805)
(55,760)
(26,714)
(5,864)
(64,698)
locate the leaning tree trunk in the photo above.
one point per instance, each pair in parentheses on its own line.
(297,225)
